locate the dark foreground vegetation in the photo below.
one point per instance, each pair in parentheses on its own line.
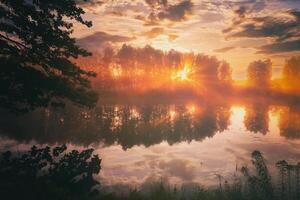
(55,173)
(47,173)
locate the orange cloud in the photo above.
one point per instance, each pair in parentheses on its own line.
(154,32)
(223,50)
(172,37)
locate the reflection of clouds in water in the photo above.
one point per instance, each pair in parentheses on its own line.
(237,154)
(185,162)
(272,151)
(212,156)
(182,169)
(119,166)
(150,156)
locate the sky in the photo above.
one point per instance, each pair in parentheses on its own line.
(238,31)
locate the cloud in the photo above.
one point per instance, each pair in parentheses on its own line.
(162,10)
(223,50)
(282,47)
(177,12)
(98,39)
(172,37)
(282,29)
(91,5)
(209,17)
(253,5)
(156,3)
(154,32)
(89,2)
(122,9)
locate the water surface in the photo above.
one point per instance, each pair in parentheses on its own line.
(186,142)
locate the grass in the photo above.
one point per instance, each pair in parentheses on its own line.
(252,184)
(57,174)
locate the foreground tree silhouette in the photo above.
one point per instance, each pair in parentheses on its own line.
(47,173)
(36,47)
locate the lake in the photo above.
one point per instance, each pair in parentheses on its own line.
(183,142)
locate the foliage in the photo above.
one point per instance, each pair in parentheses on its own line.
(291,69)
(35,53)
(260,73)
(45,173)
(291,73)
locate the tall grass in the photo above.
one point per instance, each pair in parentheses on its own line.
(254,183)
(55,173)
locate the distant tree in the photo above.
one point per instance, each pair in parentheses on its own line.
(211,71)
(108,55)
(291,72)
(207,68)
(126,57)
(47,173)
(173,59)
(260,73)
(36,49)
(224,73)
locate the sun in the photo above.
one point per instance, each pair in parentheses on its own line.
(182,74)
(191,109)
(116,71)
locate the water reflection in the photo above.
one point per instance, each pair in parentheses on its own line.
(289,123)
(130,125)
(183,142)
(257,118)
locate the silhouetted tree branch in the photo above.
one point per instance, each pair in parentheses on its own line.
(35,55)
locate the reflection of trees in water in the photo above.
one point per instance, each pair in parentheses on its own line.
(148,125)
(257,118)
(223,118)
(139,125)
(123,124)
(289,122)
